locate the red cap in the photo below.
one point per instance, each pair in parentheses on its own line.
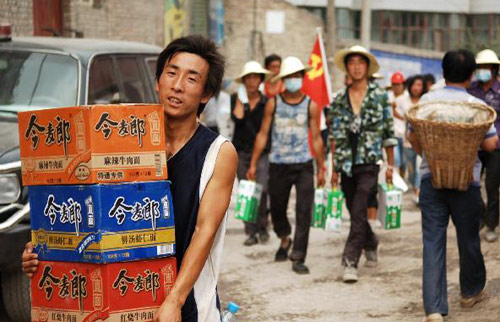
(397,78)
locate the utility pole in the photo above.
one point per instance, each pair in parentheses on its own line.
(366,21)
(331,36)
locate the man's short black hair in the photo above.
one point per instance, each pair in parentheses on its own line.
(429,78)
(206,49)
(269,59)
(347,57)
(458,65)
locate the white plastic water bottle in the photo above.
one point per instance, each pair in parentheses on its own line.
(229,313)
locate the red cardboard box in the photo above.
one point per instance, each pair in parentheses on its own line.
(118,292)
(92,144)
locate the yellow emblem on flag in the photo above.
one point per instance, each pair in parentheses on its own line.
(317,67)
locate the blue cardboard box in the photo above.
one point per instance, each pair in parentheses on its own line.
(102,223)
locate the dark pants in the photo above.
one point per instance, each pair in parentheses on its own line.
(492,184)
(262,178)
(465,208)
(281,179)
(357,190)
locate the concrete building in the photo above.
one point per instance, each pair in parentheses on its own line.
(256,28)
(426,24)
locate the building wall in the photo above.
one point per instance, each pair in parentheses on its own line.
(117,19)
(296,40)
(132,20)
(20,14)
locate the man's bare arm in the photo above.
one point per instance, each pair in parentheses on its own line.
(213,207)
(317,141)
(490,144)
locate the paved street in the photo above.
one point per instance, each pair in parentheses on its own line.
(269,291)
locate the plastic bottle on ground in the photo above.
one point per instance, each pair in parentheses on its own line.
(229,313)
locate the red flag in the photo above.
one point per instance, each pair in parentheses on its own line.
(316,83)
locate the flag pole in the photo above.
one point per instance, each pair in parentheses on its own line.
(326,73)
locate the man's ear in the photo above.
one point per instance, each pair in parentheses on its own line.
(206,98)
(157,87)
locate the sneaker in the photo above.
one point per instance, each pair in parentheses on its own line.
(371,258)
(350,274)
(300,268)
(434,317)
(468,302)
(491,235)
(251,240)
(282,253)
(263,236)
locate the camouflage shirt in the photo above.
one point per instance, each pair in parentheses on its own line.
(374,127)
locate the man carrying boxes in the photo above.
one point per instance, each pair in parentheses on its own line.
(202,168)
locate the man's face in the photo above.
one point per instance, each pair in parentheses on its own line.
(252,82)
(357,67)
(181,85)
(397,89)
(274,67)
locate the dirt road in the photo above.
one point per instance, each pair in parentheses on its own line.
(270,291)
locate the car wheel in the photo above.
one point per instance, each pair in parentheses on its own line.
(16,295)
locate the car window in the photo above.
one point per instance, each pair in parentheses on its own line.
(103,83)
(133,83)
(38,79)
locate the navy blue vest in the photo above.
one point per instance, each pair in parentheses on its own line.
(184,170)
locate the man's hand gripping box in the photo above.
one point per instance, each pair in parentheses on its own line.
(102,223)
(92,144)
(118,292)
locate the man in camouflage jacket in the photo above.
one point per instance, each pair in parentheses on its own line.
(361,125)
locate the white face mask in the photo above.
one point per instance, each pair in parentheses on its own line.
(293,84)
(483,75)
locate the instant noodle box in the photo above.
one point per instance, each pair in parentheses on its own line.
(102,223)
(118,292)
(92,144)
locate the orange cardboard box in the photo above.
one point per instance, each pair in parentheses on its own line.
(118,292)
(92,144)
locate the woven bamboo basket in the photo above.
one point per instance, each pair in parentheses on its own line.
(450,134)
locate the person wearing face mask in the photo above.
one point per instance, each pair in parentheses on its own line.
(289,117)
(247,114)
(361,125)
(487,88)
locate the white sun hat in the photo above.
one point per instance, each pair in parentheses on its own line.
(289,66)
(486,57)
(342,54)
(252,67)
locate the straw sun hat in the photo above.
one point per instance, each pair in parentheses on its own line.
(289,66)
(252,67)
(341,55)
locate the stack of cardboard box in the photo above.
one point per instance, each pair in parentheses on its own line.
(101,211)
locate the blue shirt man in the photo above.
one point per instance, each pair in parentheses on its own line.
(464,207)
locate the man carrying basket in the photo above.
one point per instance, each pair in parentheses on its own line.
(465,207)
